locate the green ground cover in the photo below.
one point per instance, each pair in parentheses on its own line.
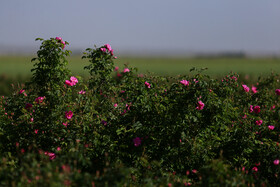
(14,66)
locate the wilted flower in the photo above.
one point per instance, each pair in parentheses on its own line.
(257,109)
(104,122)
(137,141)
(68,114)
(28,106)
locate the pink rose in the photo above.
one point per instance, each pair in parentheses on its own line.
(137,141)
(184,82)
(21,91)
(58,38)
(74,80)
(39,99)
(147,84)
(69,114)
(259,122)
(51,156)
(270,127)
(257,109)
(65,124)
(82,92)
(126,70)
(255,169)
(246,88)
(276,162)
(254,89)
(116,68)
(251,108)
(108,47)
(103,50)
(277,91)
(112,52)
(69,83)
(200,105)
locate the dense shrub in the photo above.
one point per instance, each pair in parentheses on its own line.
(120,128)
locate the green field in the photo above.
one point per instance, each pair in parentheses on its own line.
(20,66)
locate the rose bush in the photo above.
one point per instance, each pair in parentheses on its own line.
(118,128)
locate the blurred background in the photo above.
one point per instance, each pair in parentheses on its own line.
(161,36)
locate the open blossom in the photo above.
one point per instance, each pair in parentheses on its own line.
(73,81)
(69,114)
(254,89)
(116,68)
(277,91)
(137,141)
(259,122)
(246,88)
(82,92)
(276,162)
(148,85)
(257,109)
(51,156)
(126,70)
(65,124)
(200,105)
(108,47)
(270,127)
(184,82)
(39,99)
(59,39)
(103,49)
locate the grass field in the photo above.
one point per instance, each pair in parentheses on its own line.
(20,66)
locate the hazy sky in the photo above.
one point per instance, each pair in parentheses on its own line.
(146,25)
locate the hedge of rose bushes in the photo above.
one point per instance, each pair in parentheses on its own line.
(118,128)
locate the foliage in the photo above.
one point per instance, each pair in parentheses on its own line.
(119,128)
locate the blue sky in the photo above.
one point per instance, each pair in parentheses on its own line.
(146,25)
